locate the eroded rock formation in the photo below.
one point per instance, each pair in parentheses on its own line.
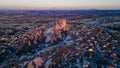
(56,32)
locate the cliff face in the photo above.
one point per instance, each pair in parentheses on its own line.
(60,24)
(56,32)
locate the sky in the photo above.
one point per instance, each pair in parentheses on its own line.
(59,4)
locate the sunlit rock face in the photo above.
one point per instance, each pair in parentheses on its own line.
(55,32)
(60,24)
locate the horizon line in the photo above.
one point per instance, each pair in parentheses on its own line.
(55,9)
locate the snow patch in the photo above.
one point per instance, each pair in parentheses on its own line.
(48,38)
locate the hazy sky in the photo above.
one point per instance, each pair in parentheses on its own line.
(59,4)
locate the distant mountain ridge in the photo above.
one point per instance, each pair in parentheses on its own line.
(92,11)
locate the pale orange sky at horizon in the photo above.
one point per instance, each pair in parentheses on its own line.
(60,4)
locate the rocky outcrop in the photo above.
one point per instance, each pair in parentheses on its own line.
(60,24)
(55,33)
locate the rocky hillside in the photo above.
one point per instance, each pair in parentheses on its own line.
(64,45)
